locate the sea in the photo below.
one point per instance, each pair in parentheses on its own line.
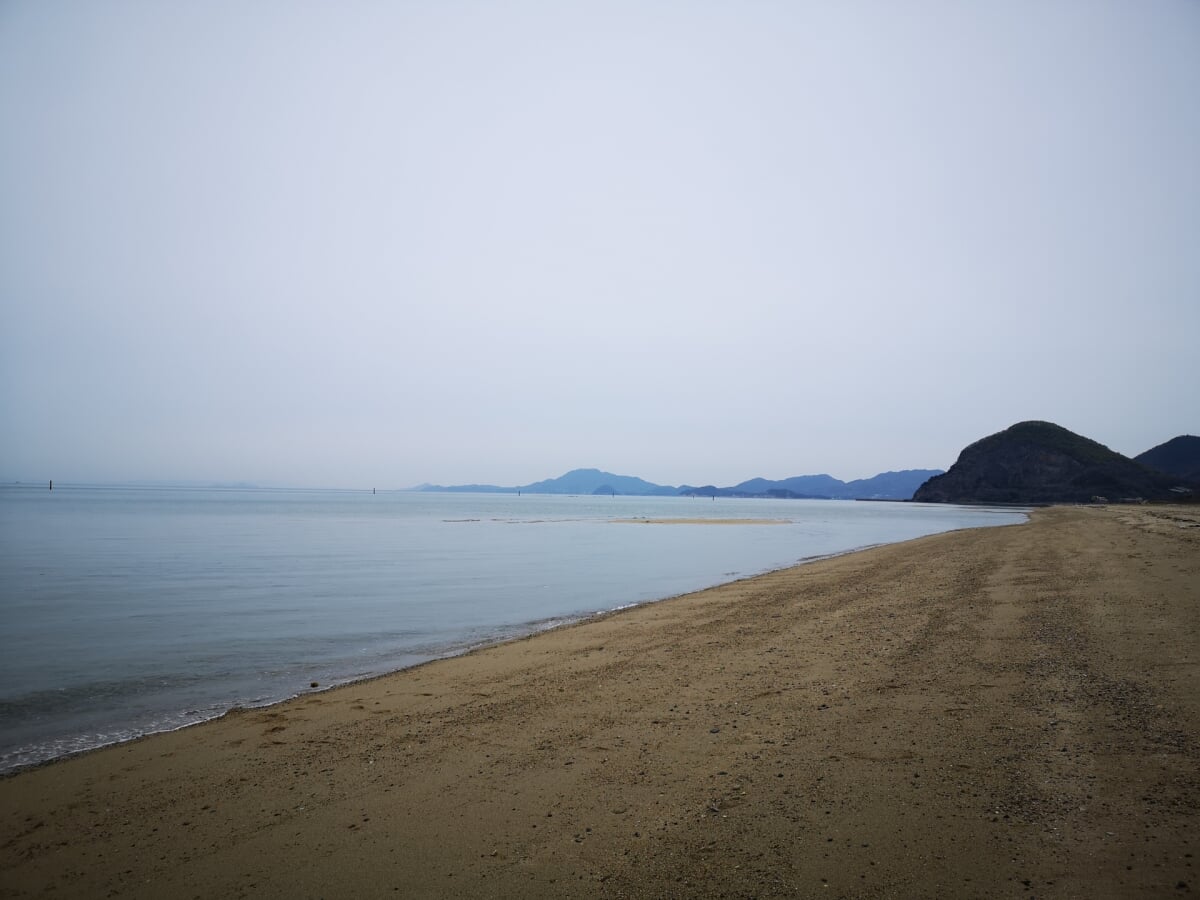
(131,610)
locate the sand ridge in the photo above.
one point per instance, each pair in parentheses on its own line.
(1004,712)
(702,521)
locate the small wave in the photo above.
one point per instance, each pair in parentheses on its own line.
(37,752)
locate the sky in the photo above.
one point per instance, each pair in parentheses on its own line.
(362,244)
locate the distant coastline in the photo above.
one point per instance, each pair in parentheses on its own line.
(885,486)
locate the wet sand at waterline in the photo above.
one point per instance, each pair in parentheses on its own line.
(1002,712)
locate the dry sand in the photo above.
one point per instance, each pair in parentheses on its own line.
(1009,712)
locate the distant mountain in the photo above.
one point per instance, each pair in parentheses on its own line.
(577,481)
(797,486)
(1180,456)
(885,486)
(1040,462)
(593,481)
(890,485)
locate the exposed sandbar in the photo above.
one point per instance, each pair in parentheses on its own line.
(1005,712)
(703,521)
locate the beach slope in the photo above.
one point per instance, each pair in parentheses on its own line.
(1005,712)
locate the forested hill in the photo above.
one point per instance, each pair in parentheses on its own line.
(1180,456)
(1040,462)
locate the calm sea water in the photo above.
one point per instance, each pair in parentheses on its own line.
(125,611)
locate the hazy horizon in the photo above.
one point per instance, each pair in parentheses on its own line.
(241,483)
(381,245)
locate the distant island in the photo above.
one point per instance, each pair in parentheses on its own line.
(885,486)
(1040,462)
(1027,464)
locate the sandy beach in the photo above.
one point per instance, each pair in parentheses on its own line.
(1005,712)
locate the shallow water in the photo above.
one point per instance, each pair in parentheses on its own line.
(125,611)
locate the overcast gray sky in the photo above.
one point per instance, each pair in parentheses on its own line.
(376,244)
